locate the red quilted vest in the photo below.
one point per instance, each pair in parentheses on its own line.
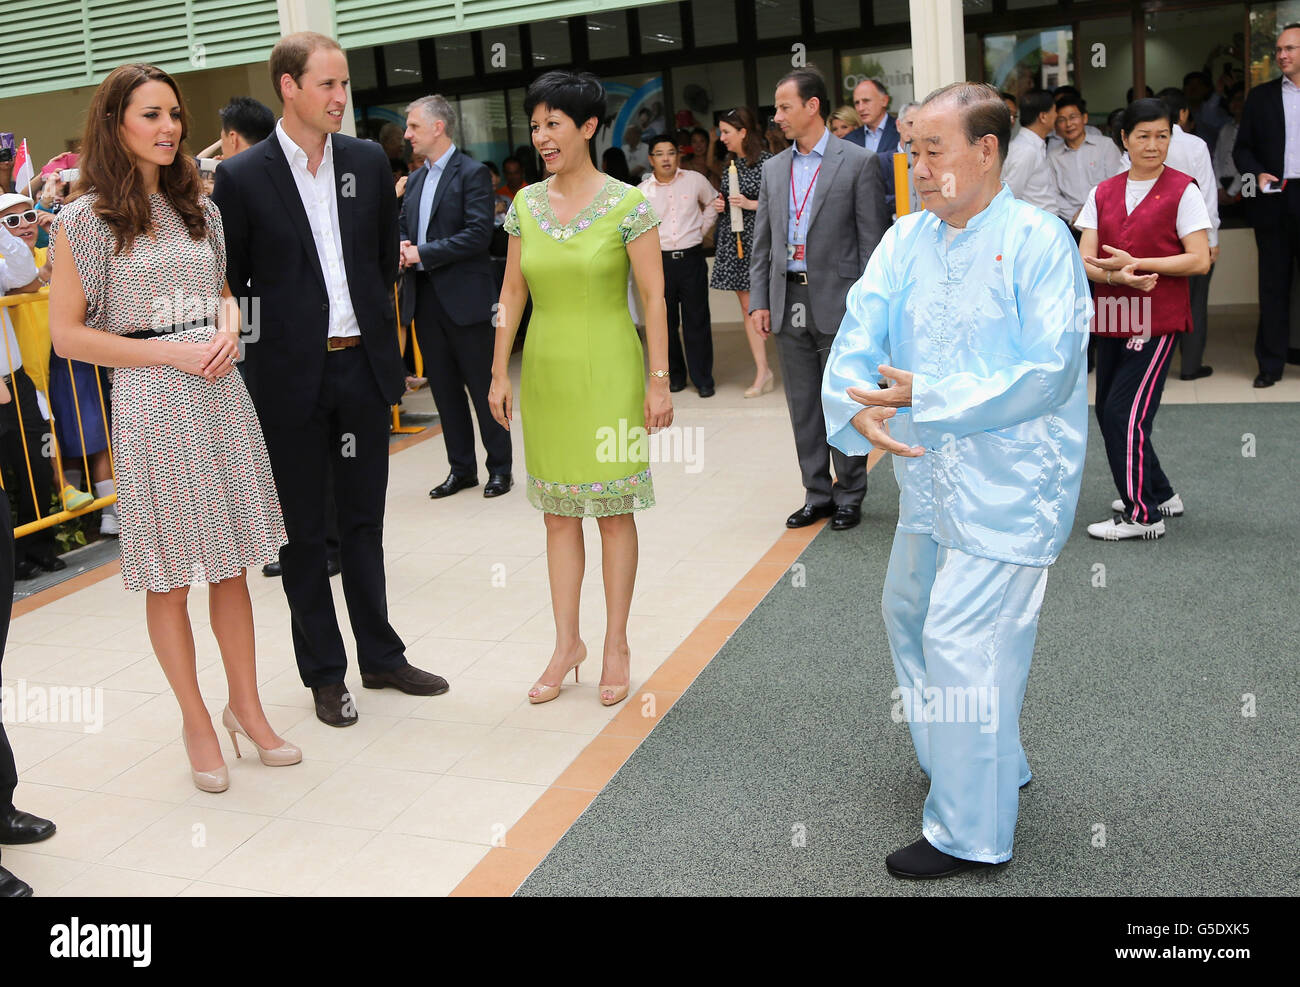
(1151,231)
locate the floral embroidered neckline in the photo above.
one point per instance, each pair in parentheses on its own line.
(539,203)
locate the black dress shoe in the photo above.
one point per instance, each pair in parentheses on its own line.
(453,484)
(676,387)
(922,861)
(707,392)
(846,516)
(49,562)
(333,566)
(11,887)
(18,827)
(334,705)
(807,514)
(498,483)
(26,569)
(408,679)
(1266,380)
(272,569)
(1203,371)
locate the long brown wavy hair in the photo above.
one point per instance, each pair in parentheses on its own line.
(108,168)
(742,118)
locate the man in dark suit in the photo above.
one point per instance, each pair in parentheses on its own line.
(446,229)
(878,131)
(310,219)
(821,213)
(1270,122)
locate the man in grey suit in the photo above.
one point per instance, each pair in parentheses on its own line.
(821,213)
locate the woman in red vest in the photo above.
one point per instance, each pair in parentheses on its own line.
(1150,223)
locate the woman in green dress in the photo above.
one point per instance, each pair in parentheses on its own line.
(585,405)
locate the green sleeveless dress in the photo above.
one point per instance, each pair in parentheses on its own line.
(582,393)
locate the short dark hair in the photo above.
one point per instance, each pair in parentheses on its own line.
(1071,99)
(1173,98)
(1007,97)
(1033,104)
(982,111)
(808,83)
(1128,96)
(290,56)
(1065,90)
(578,95)
(658,139)
(248,118)
(1293,26)
(511,159)
(699,130)
(1201,76)
(1145,111)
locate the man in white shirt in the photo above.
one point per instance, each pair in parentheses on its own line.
(683,201)
(637,154)
(1026,171)
(1080,159)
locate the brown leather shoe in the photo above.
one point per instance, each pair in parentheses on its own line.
(408,679)
(334,705)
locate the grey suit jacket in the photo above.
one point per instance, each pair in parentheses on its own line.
(847,221)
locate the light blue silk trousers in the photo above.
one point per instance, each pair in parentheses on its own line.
(961,629)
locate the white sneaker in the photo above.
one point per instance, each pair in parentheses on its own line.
(108,524)
(1117,529)
(1173,507)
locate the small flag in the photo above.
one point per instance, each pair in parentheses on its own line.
(23,173)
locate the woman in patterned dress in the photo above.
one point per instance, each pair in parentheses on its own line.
(585,405)
(739,132)
(145,293)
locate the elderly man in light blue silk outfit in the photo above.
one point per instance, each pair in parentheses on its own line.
(963,353)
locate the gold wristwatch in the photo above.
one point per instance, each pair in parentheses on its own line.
(658,373)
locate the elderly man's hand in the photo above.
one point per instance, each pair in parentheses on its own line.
(871,423)
(898,395)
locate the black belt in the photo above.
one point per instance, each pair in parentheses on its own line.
(167,330)
(679,254)
(798,277)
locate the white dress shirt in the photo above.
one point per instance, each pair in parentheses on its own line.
(320,199)
(1027,173)
(1191,156)
(1224,166)
(17,268)
(1291,118)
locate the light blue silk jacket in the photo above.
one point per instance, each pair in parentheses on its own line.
(995,329)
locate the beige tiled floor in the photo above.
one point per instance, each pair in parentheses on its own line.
(413,796)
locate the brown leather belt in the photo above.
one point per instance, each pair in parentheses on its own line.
(334,343)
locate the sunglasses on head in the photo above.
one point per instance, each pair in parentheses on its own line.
(16,220)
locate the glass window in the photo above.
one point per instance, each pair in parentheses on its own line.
(361,69)
(773,67)
(893,67)
(778,18)
(661,28)
(631,101)
(969,7)
(550,43)
(715,22)
(481,128)
(402,63)
(891,11)
(1266,23)
(836,15)
(1021,4)
(707,91)
(607,35)
(1179,42)
(973,61)
(1017,63)
(502,51)
(454,55)
(1104,72)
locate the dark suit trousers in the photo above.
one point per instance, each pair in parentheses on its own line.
(343,445)
(13,456)
(1278,247)
(457,358)
(1192,344)
(686,287)
(803,351)
(8,768)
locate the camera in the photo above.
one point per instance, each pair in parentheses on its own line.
(69,174)
(208,166)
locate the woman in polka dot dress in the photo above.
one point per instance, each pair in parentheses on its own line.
(139,285)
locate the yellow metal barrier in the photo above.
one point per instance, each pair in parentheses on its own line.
(398,427)
(26,311)
(902,192)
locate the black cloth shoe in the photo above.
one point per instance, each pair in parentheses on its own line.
(846,516)
(1204,371)
(1266,380)
(453,484)
(26,569)
(18,827)
(272,569)
(408,679)
(11,887)
(334,705)
(807,514)
(498,483)
(674,388)
(921,861)
(49,561)
(707,392)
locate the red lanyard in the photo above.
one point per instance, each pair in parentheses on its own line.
(799,206)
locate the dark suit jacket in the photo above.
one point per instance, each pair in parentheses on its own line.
(1261,148)
(271,257)
(888,136)
(454,247)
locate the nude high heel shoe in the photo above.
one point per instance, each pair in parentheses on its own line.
(207,781)
(617,693)
(278,757)
(548,692)
(769,382)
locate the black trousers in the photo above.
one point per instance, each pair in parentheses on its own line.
(1192,344)
(343,445)
(8,767)
(456,359)
(1278,247)
(1130,381)
(686,290)
(15,462)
